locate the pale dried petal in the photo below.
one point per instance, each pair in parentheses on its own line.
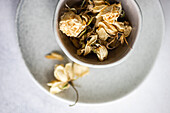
(97,9)
(57,86)
(90,7)
(53,82)
(92,40)
(111,13)
(87,50)
(80,70)
(55,56)
(102,33)
(88,47)
(90,2)
(71,24)
(60,73)
(127,30)
(86,17)
(69,70)
(123,28)
(102,53)
(99,2)
(54,90)
(108,27)
(120,26)
(122,39)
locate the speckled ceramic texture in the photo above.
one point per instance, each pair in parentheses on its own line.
(36,39)
(116,56)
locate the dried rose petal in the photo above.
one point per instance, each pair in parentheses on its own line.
(55,56)
(56,86)
(108,27)
(102,33)
(80,70)
(102,53)
(60,73)
(71,24)
(69,70)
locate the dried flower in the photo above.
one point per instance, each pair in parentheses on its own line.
(111,13)
(65,74)
(65,77)
(101,52)
(71,24)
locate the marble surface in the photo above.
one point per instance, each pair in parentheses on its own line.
(19,94)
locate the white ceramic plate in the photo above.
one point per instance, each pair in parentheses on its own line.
(36,39)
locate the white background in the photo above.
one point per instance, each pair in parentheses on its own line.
(19,94)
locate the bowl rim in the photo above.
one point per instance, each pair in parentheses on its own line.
(57,37)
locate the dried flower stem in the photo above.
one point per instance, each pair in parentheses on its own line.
(127,43)
(77,94)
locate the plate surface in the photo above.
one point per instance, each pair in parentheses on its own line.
(36,39)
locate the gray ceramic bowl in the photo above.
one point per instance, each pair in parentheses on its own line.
(115,56)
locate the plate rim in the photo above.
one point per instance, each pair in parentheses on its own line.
(85,103)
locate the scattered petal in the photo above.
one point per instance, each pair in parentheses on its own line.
(57,87)
(55,56)
(80,70)
(69,70)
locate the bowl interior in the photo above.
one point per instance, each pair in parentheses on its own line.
(133,15)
